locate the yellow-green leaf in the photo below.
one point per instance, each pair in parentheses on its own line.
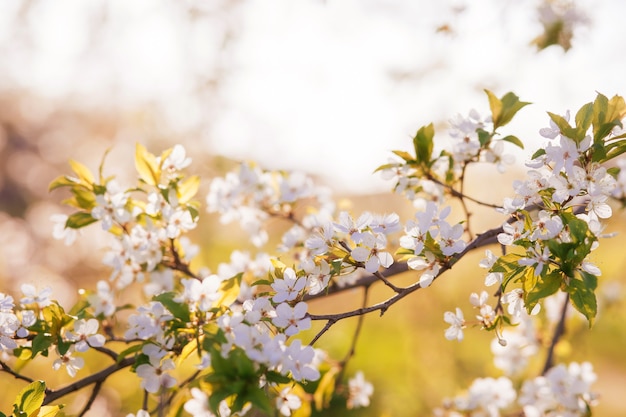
(495,105)
(189,348)
(63,181)
(230,289)
(324,392)
(30,398)
(49,410)
(188,188)
(84,174)
(79,219)
(146,165)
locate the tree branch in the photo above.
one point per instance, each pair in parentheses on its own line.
(97,378)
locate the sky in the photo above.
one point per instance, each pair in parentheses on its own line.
(325,86)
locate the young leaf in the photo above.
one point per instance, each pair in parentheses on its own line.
(503,109)
(188,188)
(146,165)
(514,140)
(583,299)
(230,290)
(79,219)
(510,106)
(63,181)
(423,143)
(30,399)
(84,174)
(50,410)
(544,287)
(584,118)
(178,309)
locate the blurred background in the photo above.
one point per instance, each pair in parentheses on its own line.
(329,87)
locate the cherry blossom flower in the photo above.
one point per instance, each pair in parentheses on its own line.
(386,223)
(546,226)
(539,257)
(111,206)
(72,363)
(299,361)
(288,288)
(31,296)
(512,232)
(359,391)
(353,228)
(293,320)
(177,160)
(322,240)
(456,322)
(154,375)
(102,300)
(198,404)
(9,325)
(286,402)
(200,295)
(60,232)
(371,254)
(492,277)
(85,335)
(450,238)
(429,264)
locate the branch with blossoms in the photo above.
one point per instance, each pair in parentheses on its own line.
(227,342)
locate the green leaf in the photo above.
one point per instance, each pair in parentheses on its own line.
(538,153)
(583,299)
(178,309)
(258,398)
(504,109)
(584,117)
(30,399)
(606,115)
(564,126)
(41,343)
(84,199)
(129,351)
(423,143)
(79,219)
(510,106)
(483,137)
(544,287)
(514,140)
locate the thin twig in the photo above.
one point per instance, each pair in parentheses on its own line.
(8,370)
(483,239)
(559,331)
(92,398)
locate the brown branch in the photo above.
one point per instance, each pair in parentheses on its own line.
(97,378)
(481,240)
